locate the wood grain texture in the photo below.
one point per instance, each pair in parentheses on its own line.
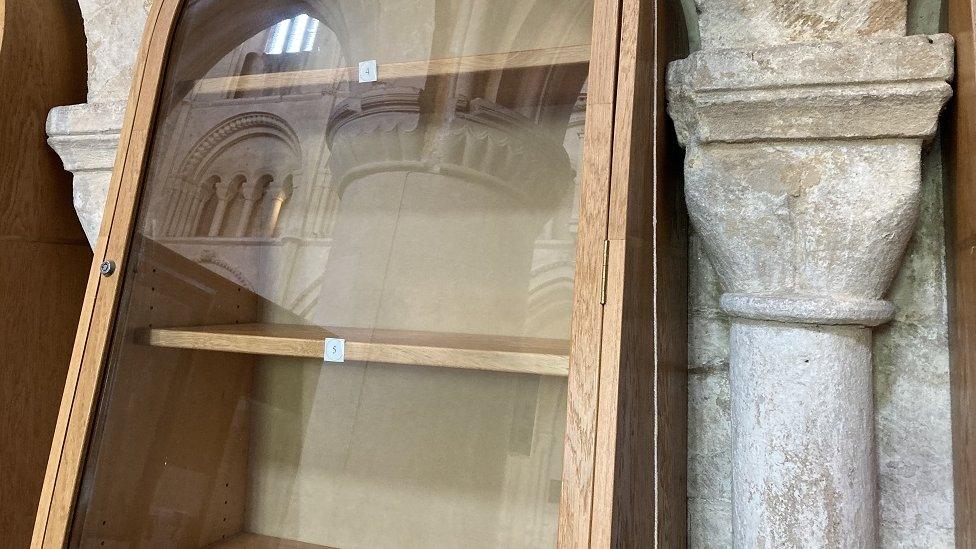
(640,493)
(461,351)
(961,256)
(101,297)
(41,285)
(622,383)
(670,293)
(43,252)
(579,455)
(566,55)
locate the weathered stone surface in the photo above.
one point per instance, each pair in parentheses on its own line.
(114,30)
(772,214)
(873,88)
(734,23)
(86,137)
(709,458)
(911,364)
(911,383)
(787,150)
(796,65)
(911,389)
(802,417)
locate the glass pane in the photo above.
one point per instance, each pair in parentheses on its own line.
(346,313)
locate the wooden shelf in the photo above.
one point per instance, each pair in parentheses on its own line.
(468,352)
(565,55)
(247,540)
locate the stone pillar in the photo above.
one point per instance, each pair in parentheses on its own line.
(487,173)
(803,126)
(277,194)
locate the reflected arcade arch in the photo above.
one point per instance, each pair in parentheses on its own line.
(281,191)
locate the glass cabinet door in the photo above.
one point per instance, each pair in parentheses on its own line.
(346,306)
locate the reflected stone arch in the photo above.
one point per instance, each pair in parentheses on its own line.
(209,25)
(223,267)
(213,197)
(556,85)
(208,194)
(550,298)
(234,130)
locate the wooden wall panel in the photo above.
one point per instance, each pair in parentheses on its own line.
(961,253)
(44,257)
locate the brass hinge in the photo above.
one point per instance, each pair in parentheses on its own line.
(606,272)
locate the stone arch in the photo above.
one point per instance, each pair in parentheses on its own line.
(234,130)
(215,195)
(249,18)
(550,299)
(210,259)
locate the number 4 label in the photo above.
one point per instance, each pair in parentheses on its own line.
(367,71)
(335,350)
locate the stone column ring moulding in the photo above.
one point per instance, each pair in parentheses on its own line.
(802,176)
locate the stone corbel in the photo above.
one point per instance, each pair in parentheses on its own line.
(86,137)
(802,176)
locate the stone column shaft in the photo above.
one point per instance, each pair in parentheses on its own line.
(804,470)
(491,177)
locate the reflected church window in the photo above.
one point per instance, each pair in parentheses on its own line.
(439,203)
(293,35)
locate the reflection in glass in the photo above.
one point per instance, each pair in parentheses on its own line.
(426,221)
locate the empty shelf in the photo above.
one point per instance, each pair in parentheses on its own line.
(565,55)
(468,352)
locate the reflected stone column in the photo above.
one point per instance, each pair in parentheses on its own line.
(803,179)
(436,223)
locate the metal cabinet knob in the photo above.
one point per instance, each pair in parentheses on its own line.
(107,268)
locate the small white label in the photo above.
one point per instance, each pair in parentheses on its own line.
(367,71)
(335,350)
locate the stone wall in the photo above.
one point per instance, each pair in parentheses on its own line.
(910,354)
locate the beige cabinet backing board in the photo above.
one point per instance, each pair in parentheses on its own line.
(359,285)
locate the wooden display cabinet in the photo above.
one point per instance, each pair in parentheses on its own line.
(388,274)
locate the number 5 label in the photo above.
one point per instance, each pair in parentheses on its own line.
(335,350)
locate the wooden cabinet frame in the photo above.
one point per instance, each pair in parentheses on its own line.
(624,466)
(960,144)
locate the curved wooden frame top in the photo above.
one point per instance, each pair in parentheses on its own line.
(621,458)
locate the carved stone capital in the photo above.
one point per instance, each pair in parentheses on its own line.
(866,89)
(384,130)
(86,138)
(802,176)
(802,165)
